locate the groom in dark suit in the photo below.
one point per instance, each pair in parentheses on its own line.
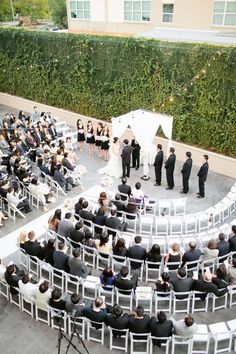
(126,157)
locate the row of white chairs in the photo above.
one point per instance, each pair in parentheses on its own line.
(222,334)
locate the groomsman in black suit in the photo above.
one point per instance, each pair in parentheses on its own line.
(170,166)
(126,157)
(158,165)
(202,174)
(186,171)
(135,153)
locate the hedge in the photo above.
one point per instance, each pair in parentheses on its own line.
(104,76)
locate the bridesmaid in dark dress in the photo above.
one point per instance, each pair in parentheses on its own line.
(98,141)
(81,136)
(174,256)
(90,137)
(105,142)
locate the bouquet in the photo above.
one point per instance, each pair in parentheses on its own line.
(69,204)
(106,181)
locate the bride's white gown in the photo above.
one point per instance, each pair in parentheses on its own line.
(114,165)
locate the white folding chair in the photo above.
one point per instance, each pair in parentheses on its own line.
(179,206)
(165,343)
(124,296)
(58,279)
(133,263)
(153,270)
(200,301)
(203,221)
(201,340)
(190,224)
(176,225)
(95,331)
(144,294)
(42,315)
(27,305)
(232,326)
(15,298)
(58,319)
(131,221)
(219,302)
(150,206)
(139,341)
(232,294)
(164,207)
(89,255)
(163,301)
(33,265)
(23,258)
(214,215)
(221,336)
(102,260)
(108,291)
(117,262)
(181,298)
(75,324)
(181,341)
(45,271)
(116,341)
(230,203)
(161,225)
(89,287)
(72,283)
(146,224)
(4,289)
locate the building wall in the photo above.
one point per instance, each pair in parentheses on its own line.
(219,163)
(108,16)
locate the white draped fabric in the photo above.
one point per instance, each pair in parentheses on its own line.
(144,125)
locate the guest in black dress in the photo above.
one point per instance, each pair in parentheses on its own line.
(119,249)
(98,141)
(105,142)
(154,255)
(90,137)
(174,256)
(81,136)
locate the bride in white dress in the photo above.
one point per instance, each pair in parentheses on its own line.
(114,166)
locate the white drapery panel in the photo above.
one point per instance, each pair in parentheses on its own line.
(144,125)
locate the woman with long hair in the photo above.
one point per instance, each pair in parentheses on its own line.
(54,220)
(90,137)
(105,137)
(81,136)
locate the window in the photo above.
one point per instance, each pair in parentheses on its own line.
(80,9)
(167,10)
(224,13)
(137,10)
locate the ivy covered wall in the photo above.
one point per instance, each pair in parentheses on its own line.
(108,76)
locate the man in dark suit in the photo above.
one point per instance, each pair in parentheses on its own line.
(139,322)
(77,267)
(97,313)
(223,246)
(170,166)
(135,154)
(192,254)
(37,136)
(206,286)
(33,247)
(118,204)
(85,214)
(65,226)
(77,234)
(160,327)
(124,188)
(158,165)
(232,239)
(137,252)
(52,130)
(202,174)
(126,157)
(186,171)
(60,258)
(181,282)
(43,167)
(66,162)
(114,222)
(12,277)
(124,282)
(117,320)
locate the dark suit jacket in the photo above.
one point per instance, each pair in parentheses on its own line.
(207,287)
(159,159)
(61,261)
(126,152)
(92,315)
(158,329)
(37,137)
(202,173)
(33,248)
(67,164)
(117,323)
(12,279)
(136,252)
(139,325)
(59,178)
(187,166)
(114,223)
(85,214)
(181,285)
(223,247)
(77,267)
(125,189)
(77,236)
(125,284)
(45,169)
(135,148)
(191,256)
(232,243)
(170,163)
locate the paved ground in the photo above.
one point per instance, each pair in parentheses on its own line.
(20,334)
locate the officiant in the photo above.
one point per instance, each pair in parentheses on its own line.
(135,154)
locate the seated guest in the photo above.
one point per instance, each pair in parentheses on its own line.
(117,320)
(66,225)
(22,238)
(43,166)
(232,272)
(123,280)
(154,255)
(137,252)
(192,254)
(131,208)
(180,282)
(124,188)
(163,283)
(160,327)
(49,251)
(186,327)
(54,220)
(79,206)
(221,280)
(63,182)
(96,313)
(56,300)
(103,245)
(13,275)
(77,267)
(74,305)
(33,247)
(85,214)
(100,219)
(103,200)
(88,239)
(19,203)
(43,294)
(5,185)
(77,234)
(210,252)
(206,286)
(137,192)
(139,322)
(107,277)
(60,257)
(27,289)
(41,191)
(222,246)
(174,256)
(113,222)
(118,204)
(119,249)
(232,239)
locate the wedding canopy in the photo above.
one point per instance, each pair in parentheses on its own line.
(144,125)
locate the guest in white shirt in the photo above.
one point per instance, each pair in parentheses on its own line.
(186,327)
(27,289)
(20,203)
(43,294)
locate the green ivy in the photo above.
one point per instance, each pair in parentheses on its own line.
(107,76)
